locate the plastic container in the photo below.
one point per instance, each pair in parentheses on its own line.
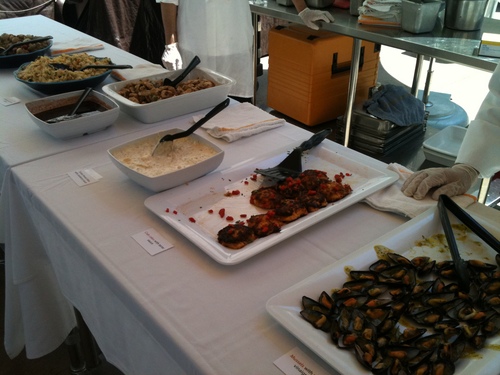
(419,17)
(465,15)
(176,105)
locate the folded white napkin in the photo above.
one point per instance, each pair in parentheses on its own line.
(392,198)
(138,71)
(74,46)
(240,120)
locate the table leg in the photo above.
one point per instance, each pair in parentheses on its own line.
(416,75)
(255,23)
(353,80)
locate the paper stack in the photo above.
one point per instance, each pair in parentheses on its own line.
(380,13)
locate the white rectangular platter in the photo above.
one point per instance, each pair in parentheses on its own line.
(193,202)
(285,306)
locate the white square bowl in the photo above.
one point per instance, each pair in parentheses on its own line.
(176,105)
(89,123)
(171,179)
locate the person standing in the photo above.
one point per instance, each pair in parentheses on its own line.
(219,32)
(479,154)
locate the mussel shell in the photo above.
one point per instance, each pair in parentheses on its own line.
(311,304)
(491,325)
(422,287)
(491,287)
(317,319)
(478,265)
(437,299)
(443,367)
(399,259)
(326,300)
(379,265)
(359,286)
(410,334)
(366,352)
(429,342)
(377,315)
(363,275)
(398,275)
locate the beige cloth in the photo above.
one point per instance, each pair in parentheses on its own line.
(392,198)
(138,71)
(239,121)
(75,46)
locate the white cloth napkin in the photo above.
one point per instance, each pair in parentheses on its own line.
(392,198)
(74,46)
(138,71)
(240,120)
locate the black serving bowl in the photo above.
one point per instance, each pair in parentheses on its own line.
(52,88)
(14,61)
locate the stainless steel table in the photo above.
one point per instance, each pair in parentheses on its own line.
(443,43)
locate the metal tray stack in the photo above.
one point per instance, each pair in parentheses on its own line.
(374,136)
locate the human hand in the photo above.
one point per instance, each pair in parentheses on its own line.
(171,58)
(310,16)
(448,181)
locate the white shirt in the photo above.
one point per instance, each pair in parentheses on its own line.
(481,145)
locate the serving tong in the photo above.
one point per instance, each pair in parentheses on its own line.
(72,115)
(194,62)
(110,66)
(446,204)
(291,166)
(171,137)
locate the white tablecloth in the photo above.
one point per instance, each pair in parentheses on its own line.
(20,138)
(176,310)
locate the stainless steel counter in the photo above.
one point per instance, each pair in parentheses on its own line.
(443,43)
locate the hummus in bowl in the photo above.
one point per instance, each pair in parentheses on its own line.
(173,164)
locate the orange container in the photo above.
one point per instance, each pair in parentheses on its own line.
(308,76)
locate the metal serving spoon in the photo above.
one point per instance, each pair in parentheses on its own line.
(72,114)
(14,45)
(171,137)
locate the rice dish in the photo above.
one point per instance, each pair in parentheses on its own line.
(40,70)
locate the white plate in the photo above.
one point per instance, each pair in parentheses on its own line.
(365,175)
(447,141)
(285,306)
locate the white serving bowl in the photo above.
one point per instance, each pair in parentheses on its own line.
(176,105)
(170,179)
(77,127)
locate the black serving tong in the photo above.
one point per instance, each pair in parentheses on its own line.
(291,166)
(110,66)
(168,82)
(446,204)
(171,137)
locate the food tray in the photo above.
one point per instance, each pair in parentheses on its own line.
(193,201)
(177,105)
(286,305)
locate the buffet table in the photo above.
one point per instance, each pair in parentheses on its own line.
(175,312)
(20,138)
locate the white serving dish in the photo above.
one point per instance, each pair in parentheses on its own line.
(443,146)
(364,174)
(177,105)
(285,306)
(76,127)
(171,179)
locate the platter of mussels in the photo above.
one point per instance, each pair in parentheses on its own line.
(395,306)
